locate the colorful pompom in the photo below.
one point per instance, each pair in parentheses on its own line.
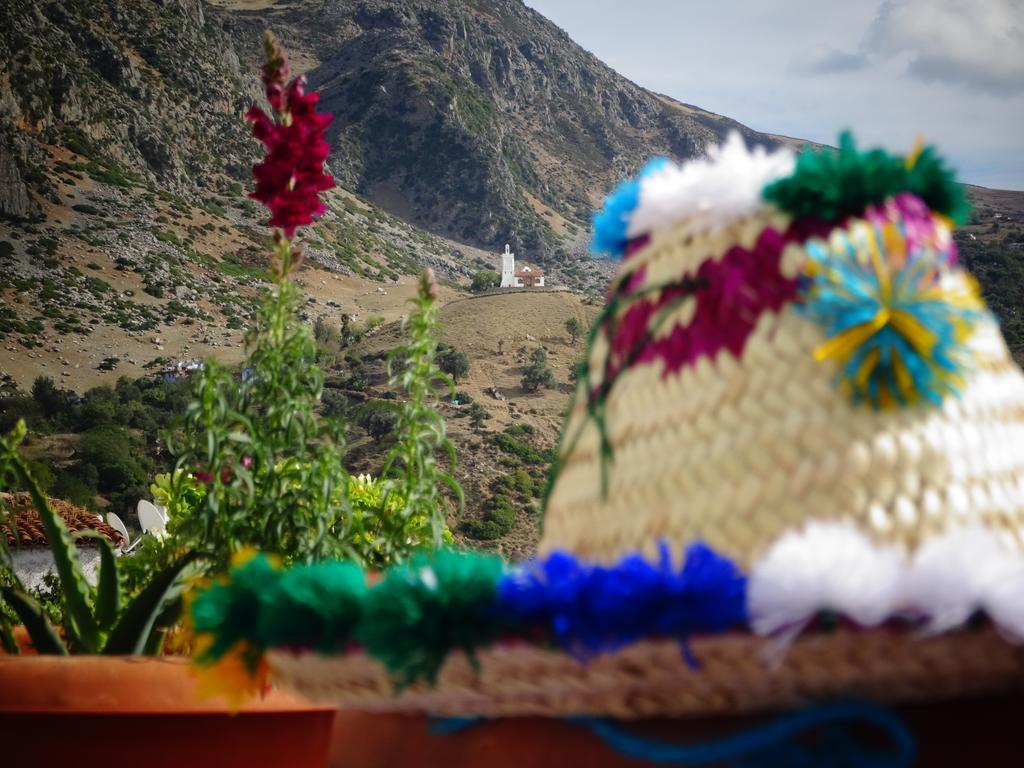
(593,609)
(612,222)
(313,606)
(897,318)
(428,606)
(227,613)
(832,185)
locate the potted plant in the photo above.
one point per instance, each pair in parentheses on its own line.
(99,680)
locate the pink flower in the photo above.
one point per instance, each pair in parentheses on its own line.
(291,177)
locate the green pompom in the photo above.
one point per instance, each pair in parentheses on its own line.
(831,185)
(314,606)
(427,607)
(230,611)
(934,183)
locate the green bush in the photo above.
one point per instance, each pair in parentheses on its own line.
(484,280)
(90,210)
(52,400)
(574,328)
(522,451)
(71,487)
(116,456)
(478,415)
(16,407)
(498,519)
(100,405)
(379,420)
(454,363)
(537,373)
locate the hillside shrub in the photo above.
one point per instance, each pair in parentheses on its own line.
(537,374)
(484,280)
(113,451)
(454,363)
(379,420)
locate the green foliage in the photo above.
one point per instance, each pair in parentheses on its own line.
(93,619)
(52,400)
(830,185)
(411,467)
(114,452)
(537,374)
(382,531)
(509,493)
(574,328)
(999,269)
(379,420)
(273,467)
(454,363)
(499,518)
(478,415)
(484,280)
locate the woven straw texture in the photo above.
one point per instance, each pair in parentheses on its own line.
(652,679)
(736,451)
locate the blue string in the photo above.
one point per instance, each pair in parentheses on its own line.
(773,745)
(451,725)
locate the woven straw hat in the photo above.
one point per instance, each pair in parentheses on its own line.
(793,469)
(730,417)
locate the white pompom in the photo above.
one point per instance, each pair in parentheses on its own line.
(726,186)
(824,566)
(963,571)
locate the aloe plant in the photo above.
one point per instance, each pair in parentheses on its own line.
(94,618)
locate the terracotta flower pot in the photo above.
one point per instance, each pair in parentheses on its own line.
(953,734)
(132,711)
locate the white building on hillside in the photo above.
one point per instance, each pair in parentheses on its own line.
(527,277)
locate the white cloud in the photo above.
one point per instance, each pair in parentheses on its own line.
(697,52)
(826,60)
(978,43)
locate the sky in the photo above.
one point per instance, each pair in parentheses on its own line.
(890,70)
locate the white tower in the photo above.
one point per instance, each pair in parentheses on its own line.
(508,268)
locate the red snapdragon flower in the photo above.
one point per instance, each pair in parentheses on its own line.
(291,176)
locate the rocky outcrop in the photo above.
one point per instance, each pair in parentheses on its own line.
(147,88)
(15,200)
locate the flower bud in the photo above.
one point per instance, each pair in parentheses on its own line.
(428,285)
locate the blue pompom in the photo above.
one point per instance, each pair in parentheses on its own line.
(593,609)
(612,222)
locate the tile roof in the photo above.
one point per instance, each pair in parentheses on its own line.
(29,528)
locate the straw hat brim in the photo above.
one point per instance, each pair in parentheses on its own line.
(734,674)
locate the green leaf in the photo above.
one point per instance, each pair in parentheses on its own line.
(44,636)
(7,640)
(108,593)
(131,633)
(75,589)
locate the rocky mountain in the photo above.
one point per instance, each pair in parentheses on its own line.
(477,119)
(460,125)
